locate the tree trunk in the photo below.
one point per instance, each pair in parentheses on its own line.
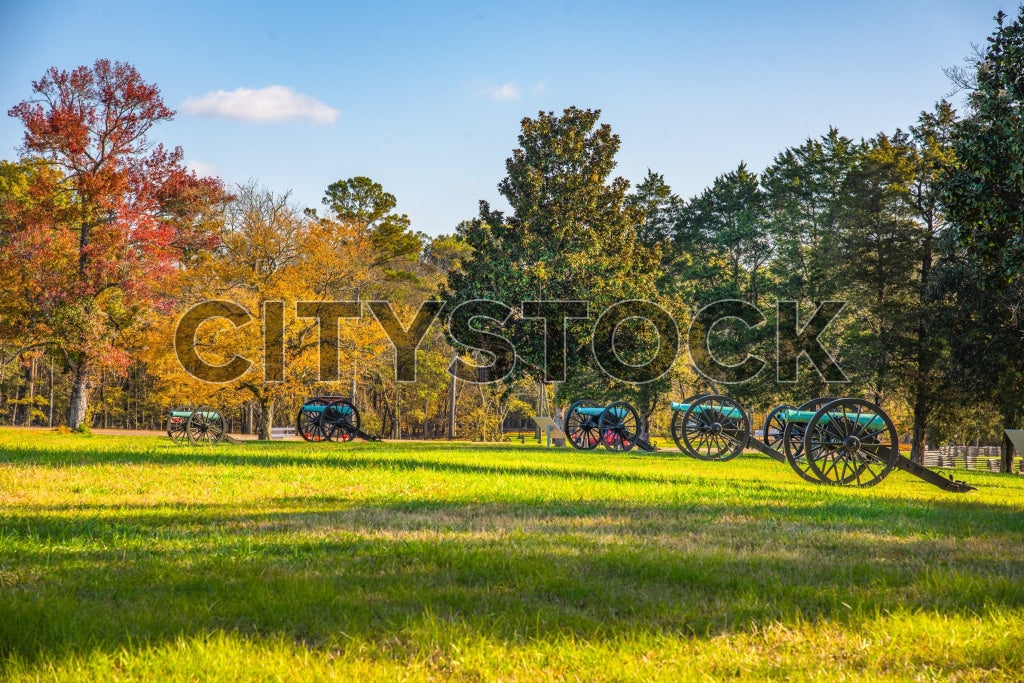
(559,418)
(451,399)
(398,413)
(1011,420)
(51,391)
(103,399)
(540,403)
(31,391)
(926,356)
(922,408)
(645,427)
(267,418)
(80,388)
(1006,464)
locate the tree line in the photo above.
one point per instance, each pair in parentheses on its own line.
(107,238)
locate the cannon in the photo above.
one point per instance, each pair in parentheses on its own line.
(833,441)
(330,418)
(203,426)
(789,427)
(709,427)
(616,426)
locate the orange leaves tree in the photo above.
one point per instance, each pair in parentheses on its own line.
(104,220)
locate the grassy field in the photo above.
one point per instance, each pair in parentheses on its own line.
(132,558)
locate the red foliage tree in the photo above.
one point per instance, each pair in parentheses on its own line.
(105,219)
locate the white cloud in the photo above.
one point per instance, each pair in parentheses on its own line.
(201,168)
(539,88)
(273,103)
(508,91)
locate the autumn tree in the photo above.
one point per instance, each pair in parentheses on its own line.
(271,257)
(363,204)
(110,216)
(392,271)
(266,241)
(307,275)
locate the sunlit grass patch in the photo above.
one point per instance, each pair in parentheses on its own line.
(134,558)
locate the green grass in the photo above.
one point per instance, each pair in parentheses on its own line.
(132,558)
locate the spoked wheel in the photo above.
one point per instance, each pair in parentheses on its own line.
(793,441)
(308,422)
(774,426)
(619,426)
(715,428)
(851,441)
(205,427)
(582,430)
(339,418)
(176,427)
(677,423)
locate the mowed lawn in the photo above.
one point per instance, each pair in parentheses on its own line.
(132,558)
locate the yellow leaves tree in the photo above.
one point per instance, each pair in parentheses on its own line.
(290,276)
(294,287)
(259,260)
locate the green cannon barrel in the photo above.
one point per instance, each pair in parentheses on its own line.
(343,409)
(188,413)
(596,412)
(869,420)
(727,411)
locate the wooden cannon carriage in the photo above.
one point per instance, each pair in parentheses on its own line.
(330,418)
(203,426)
(616,426)
(321,418)
(834,441)
(709,429)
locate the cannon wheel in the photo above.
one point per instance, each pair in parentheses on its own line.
(793,442)
(308,423)
(337,424)
(775,426)
(205,426)
(582,430)
(619,432)
(710,433)
(176,427)
(844,449)
(677,423)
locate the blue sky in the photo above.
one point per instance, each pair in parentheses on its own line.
(426,98)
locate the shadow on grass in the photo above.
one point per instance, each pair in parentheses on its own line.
(323,570)
(310,456)
(395,457)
